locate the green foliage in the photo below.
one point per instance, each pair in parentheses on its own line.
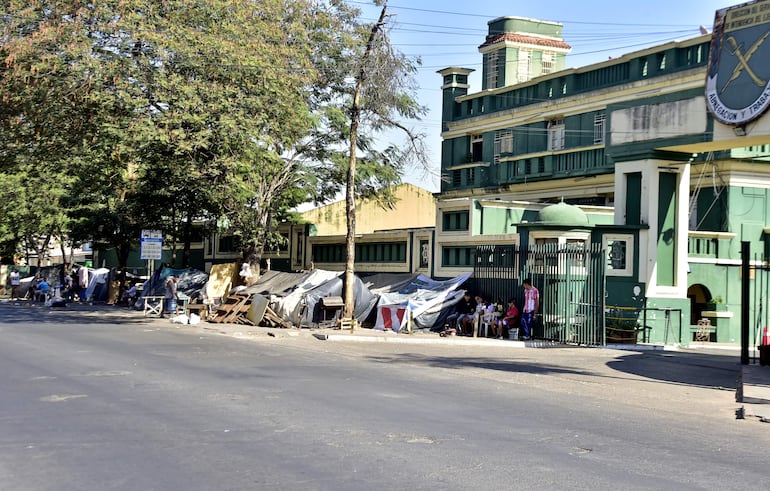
(119,116)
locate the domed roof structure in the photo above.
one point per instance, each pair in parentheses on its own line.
(564,215)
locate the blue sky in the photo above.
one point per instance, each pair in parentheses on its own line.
(448,32)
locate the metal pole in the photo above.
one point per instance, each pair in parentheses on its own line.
(745,271)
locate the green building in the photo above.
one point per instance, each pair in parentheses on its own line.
(669,168)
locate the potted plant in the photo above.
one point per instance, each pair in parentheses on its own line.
(716,304)
(619,329)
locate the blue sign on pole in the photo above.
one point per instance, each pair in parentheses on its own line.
(151,245)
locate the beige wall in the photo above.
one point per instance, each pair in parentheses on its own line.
(415,208)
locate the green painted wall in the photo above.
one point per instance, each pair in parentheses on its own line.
(667,229)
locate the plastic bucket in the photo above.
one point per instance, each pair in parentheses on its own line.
(513,334)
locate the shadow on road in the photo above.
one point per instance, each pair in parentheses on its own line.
(718,371)
(461,363)
(31,313)
(714,370)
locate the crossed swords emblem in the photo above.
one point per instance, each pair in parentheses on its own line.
(743,60)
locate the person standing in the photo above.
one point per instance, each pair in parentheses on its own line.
(531,305)
(15,284)
(83,282)
(171,294)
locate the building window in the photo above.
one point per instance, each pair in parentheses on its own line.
(300,239)
(556,134)
(548,62)
(503,143)
(329,253)
(619,250)
(457,178)
(381,252)
(661,61)
(424,254)
(599,124)
(229,243)
(525,58)
(491,69)
(457,256)
(644,68)
(477,148)
(454,221)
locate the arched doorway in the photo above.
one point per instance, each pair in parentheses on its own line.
(699,296)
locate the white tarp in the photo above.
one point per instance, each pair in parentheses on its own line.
(422,297)
(97,284)
(290,307)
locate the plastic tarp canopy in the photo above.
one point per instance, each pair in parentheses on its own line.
(276,283)
(388,282)
(302,305)
(364,300)
(289,307)
(96,290)
(429,302)
(190,282)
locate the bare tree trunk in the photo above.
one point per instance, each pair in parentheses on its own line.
(187,238)
(350,188)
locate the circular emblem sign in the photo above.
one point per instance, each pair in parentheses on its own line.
(738,77)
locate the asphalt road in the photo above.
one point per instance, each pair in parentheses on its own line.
(92,405)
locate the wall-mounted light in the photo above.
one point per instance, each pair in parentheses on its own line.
(740,130)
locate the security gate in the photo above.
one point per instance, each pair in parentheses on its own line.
(571,280)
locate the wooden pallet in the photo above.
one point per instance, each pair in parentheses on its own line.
(233,309)
(271,319)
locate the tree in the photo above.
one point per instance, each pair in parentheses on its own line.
(379,103)
(192,103)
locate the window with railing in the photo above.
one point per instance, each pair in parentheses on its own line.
(600,120)
(548,62)
(453,221)
(329,253)
(457,256)
(503,144)
(381,252)
(491,61)
(556,132)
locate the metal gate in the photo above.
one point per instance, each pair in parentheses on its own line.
(571,280)
(759,294)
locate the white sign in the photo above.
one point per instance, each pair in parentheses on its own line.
(151,245)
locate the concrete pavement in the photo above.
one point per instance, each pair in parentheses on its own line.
(753,381)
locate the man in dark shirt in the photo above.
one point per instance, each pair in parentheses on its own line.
(466,311)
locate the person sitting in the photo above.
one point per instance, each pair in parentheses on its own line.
(129,296)
(42,289)
(486,312)
(509,321)
(466,313)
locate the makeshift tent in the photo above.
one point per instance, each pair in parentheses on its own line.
(97,289)
(276,283)
(388,282)
(364,301)
(428,302)
(290,307)
(190,282)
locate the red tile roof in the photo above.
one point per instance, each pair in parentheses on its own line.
(520,38)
